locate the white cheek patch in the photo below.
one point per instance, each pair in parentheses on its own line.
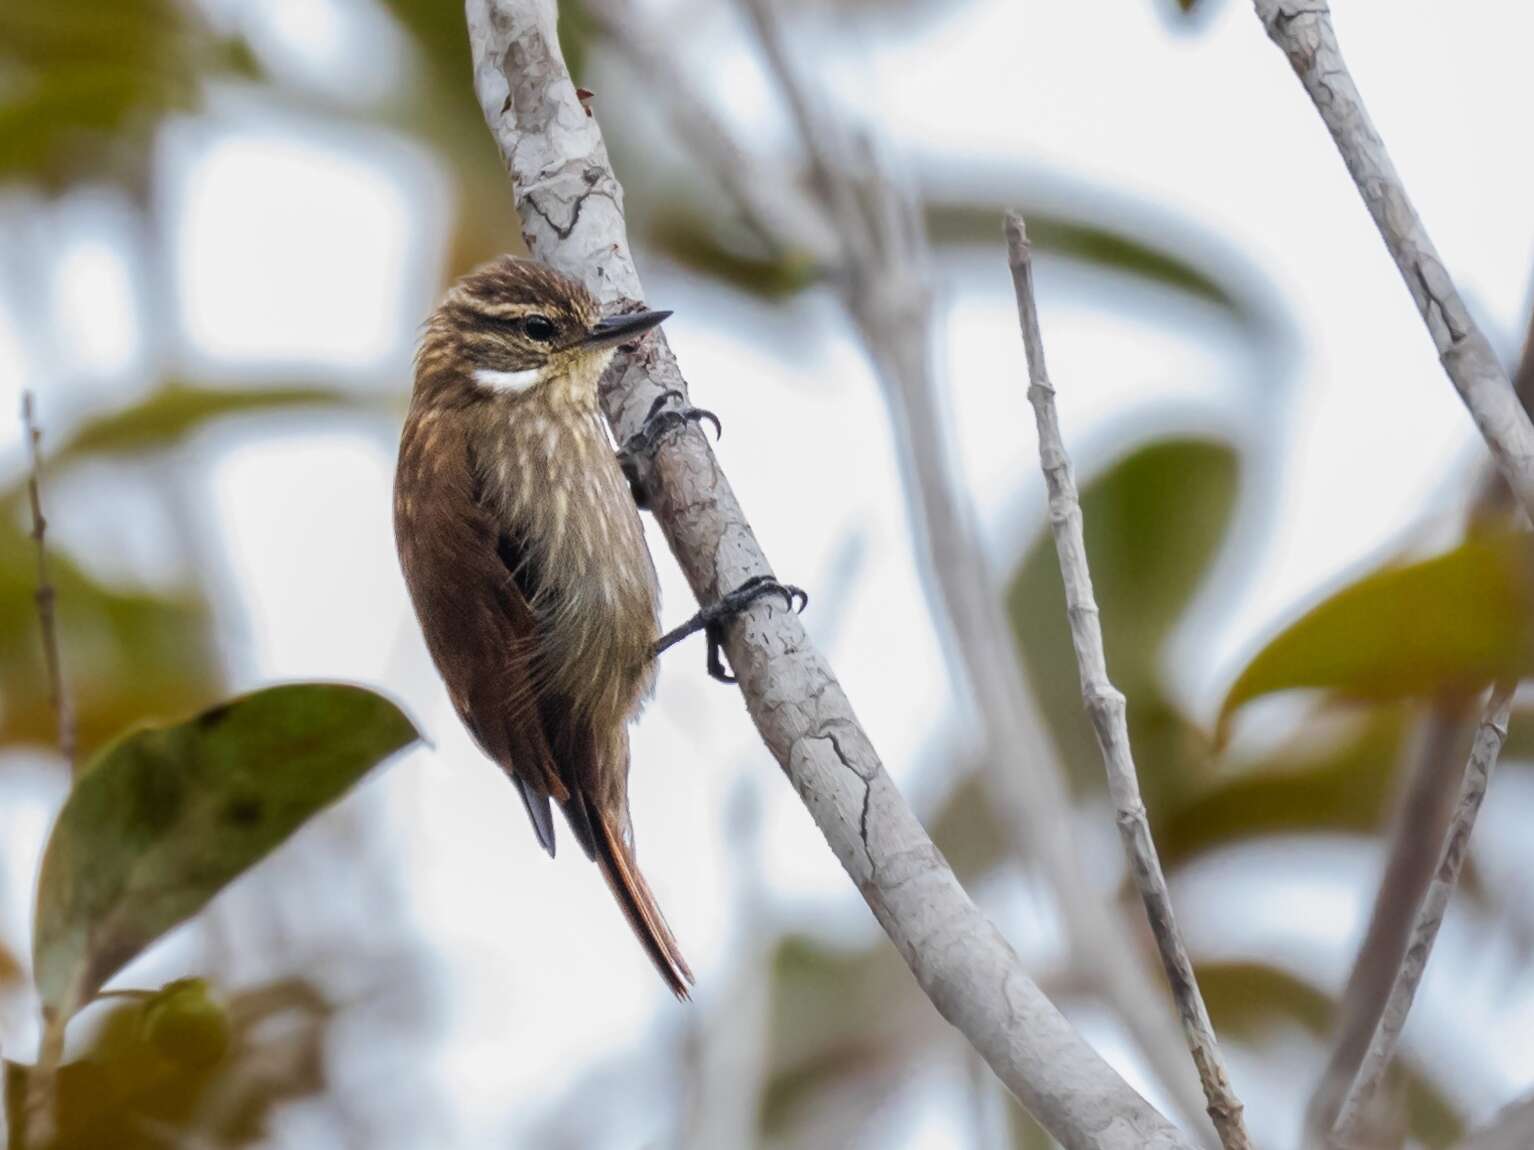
(512,381)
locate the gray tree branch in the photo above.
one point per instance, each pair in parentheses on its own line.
(1105,706)
(1303,29)
(1387,1034)
(571,209)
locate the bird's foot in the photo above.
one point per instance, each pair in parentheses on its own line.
(642,445)
(711,620)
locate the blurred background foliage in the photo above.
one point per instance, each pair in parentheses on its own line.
(87,88)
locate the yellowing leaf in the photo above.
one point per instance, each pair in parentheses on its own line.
(166,817)
(1450,623)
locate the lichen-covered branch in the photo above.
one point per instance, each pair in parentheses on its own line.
(1105,706)
(571,209)
(1303,29)
(1387,1034)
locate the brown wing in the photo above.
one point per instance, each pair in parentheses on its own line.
(478,626)
(470,584)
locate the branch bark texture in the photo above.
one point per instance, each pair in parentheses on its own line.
(1387,1035)
(571,207)
(1105,706)
(1303,29)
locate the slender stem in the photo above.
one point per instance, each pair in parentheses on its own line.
(1387,1034)
(1106,706)
(570,205)
(46,596)
(1303,29)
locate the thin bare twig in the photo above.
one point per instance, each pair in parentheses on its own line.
(1483,760)
(58,694)
(1303,29)
(570,205)
(1106,706)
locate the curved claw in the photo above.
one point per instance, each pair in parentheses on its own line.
(702,415)
(661,400)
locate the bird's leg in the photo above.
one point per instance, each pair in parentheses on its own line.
(643,443)
(711,620)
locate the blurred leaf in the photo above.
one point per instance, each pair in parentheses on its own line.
(167,816)
(1446,624)
(1089,241)
(1026,1133)
(837,1016)
(1346,785)
(183,1022)
(10,968)
(967,831)
(1247,998)
(128,655)
(695,243)
(170,414)
(87,83)
(1153,522)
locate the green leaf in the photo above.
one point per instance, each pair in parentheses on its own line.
(1153,523)
(1344,785)
(168,415)
(166,817)
(1090,241)
(1247,998)
(696,243)
(87,84)
(129,655)
(1447,624)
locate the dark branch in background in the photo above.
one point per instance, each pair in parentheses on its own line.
(1105,706)
(571,209)
(1483,760)
(58,694)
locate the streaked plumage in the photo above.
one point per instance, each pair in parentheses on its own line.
(525,558)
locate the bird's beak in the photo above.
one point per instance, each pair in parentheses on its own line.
(622,328)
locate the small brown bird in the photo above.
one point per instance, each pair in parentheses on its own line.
(523,550)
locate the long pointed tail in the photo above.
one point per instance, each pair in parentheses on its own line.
(639,907)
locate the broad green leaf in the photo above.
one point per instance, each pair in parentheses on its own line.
(1446,624)
(694,242)
(170,414)
(1090,241)
(129,655)
(1246,998)
(1153,523)
(1343,786)
(87,83)
(166,817)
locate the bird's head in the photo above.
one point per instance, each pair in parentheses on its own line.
(517,327)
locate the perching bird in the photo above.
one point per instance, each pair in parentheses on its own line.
(525,557)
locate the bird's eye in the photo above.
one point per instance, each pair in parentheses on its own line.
(538,327)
